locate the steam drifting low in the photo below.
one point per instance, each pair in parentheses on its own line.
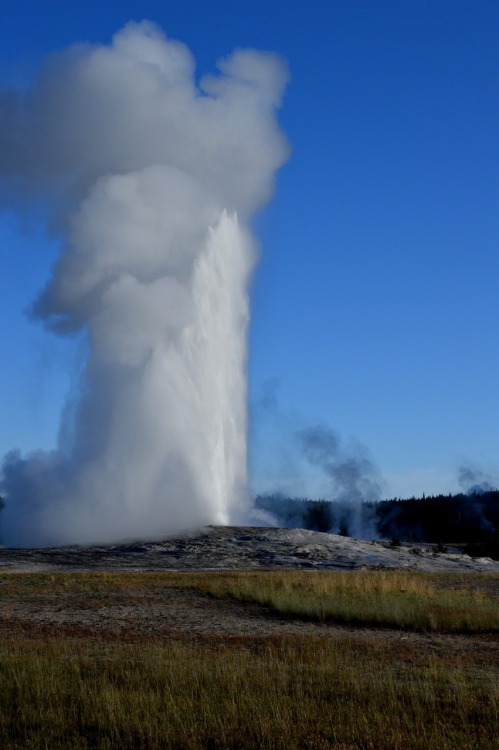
(151,180)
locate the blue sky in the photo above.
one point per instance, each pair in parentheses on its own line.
(375,304)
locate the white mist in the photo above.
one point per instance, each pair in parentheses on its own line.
(152,180)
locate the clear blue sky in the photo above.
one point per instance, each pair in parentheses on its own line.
(375,306)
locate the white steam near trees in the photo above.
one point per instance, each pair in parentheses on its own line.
(151,180)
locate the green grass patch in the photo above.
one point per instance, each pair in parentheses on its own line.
(412,601)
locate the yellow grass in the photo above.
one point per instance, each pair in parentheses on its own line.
(414,601)
(288,694)
(333,690)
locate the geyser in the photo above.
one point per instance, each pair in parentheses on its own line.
(151,180)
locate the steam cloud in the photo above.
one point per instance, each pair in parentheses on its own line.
(354,478)
(475,481)
(151,180)
(344,479)
(352,473)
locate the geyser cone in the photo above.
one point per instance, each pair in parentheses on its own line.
(155,269)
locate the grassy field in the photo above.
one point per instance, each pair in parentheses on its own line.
(325,689)
(413,601)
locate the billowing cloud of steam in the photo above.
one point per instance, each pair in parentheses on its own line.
(143,171)
(475,481)
(342,471)
(354,478)
(352,472)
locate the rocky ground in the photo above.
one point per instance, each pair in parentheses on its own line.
(245,548)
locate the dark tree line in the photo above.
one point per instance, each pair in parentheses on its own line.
(298,512)
(470,520)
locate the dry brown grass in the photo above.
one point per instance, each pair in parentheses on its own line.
(65,688)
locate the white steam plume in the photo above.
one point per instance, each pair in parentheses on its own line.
(143,172)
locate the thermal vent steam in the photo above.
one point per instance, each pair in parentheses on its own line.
(151,180)
(354,478)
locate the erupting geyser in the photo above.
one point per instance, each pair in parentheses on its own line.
(151,181)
